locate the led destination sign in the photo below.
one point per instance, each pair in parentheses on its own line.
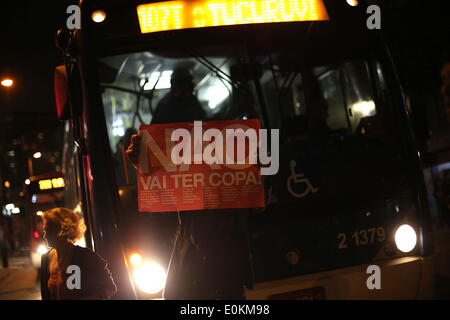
(173,15)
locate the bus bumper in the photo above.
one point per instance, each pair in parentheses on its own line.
(400,278)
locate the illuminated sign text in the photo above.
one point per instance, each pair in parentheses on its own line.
(172,15)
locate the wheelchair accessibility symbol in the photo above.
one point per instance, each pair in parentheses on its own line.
(299,178)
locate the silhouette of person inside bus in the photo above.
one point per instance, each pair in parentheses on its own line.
(62,228)
(210,257)
(180,104)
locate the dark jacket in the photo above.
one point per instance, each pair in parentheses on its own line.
(96,279)
(210,258)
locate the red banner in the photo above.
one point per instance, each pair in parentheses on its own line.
(193,184)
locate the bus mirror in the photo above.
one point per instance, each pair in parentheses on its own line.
(67,94)
(61,93)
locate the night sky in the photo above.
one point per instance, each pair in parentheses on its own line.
(28,55)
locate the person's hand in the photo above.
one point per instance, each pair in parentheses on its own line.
(133,150)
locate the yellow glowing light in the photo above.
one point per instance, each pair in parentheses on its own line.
(7,184)
(27,182)
(365,108)
(150,277)
(58,183)
(45,184)
(135,259)
(39,213)
(42,249)
(51,183)
(405,238)
(37,155)
(98,16)
(172,15)
(352,3)
(81,242)
(7,82)
(77,208)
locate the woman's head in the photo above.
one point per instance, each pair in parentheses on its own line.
(61,224)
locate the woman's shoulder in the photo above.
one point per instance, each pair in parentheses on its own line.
(87,255)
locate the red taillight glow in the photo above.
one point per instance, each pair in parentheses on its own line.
(61,93)
(36,234)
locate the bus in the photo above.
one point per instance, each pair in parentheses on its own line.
(42,192)
(349,195)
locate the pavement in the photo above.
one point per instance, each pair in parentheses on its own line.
(20,280)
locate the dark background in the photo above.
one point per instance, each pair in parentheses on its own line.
(28,120)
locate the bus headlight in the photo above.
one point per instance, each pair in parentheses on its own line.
(405,238)
(150,277)
(42,249)
(135,259)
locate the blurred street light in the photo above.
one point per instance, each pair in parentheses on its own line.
(98,16)
(37,155)
(7,82)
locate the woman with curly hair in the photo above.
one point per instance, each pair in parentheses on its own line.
(62,228)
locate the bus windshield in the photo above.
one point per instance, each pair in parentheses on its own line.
(340,153)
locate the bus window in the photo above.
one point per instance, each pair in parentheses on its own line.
(333,94)
(144,79)
(358,92)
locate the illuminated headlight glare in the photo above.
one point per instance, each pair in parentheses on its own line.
(352,3)
(405,238)
(150,278)
(42,249)
(135,259)
(98,16)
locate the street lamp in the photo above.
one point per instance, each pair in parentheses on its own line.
(37,155)
(98,16)
(352,3)
(7,82)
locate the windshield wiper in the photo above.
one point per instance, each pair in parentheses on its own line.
(216,70)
